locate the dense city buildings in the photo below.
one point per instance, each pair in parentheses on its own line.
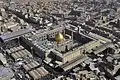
(59,40)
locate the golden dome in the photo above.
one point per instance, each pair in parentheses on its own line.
(59,37)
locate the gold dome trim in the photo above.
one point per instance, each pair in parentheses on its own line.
(59,37)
